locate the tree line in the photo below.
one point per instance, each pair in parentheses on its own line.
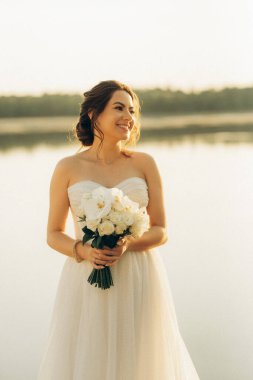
(154,101)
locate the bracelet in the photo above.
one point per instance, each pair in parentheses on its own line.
(75,254)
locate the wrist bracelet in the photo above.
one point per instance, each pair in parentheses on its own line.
(75,254)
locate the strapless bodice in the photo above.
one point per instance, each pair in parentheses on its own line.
(134,187)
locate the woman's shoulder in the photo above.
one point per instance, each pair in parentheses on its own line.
(140,158)
(149,167)
(65,166)
(145,163)
(66,162)
(64,169)
(143,157)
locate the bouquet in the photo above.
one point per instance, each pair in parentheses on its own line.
(107,215)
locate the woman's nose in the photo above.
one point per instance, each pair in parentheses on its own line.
(128,115)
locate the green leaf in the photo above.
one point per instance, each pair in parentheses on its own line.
(100,243)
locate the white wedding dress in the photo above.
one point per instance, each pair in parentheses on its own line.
(126,332)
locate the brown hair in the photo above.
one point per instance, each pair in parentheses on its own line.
(95,100)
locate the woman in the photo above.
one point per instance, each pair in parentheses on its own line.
(130,330)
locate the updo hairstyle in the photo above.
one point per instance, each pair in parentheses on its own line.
(96,100)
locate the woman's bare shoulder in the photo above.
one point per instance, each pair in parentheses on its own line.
(63,168)
(147,164)
(142,155)
(73,159)
(65,162)
(143,158)
(138,155)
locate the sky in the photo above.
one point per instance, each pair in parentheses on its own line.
(59,46)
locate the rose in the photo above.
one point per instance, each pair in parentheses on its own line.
(141,222)
(106,228)
(137,230)
(141,216)
(120,228)
(127,218)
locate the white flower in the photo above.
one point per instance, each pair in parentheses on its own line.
(120,228)
(127,218)
(117,192)
(141,216)
(130,205)
(98,205)
(80,206)
(109,211)
(92,224)
(117,199)
(137,230)
(105,228)
(115,217)
(82,224)
(122,202)
(141,222)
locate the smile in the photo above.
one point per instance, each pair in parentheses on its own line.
(123,126)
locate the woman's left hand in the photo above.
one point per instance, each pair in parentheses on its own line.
(121,246)
(114,253)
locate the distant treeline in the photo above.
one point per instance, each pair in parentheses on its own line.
(153,101)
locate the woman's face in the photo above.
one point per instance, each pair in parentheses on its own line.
(118,117)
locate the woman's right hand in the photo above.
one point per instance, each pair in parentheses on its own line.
(94,256)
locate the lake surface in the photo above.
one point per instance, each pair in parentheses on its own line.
(209,255)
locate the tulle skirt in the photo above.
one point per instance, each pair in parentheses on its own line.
(126,332)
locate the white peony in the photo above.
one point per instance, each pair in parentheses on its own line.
(106,228)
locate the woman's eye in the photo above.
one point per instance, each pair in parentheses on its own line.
(119,107)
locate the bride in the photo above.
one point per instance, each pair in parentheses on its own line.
(128,331)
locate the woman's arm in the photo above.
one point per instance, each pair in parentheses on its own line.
(157,234)
(58,210)
(154,237)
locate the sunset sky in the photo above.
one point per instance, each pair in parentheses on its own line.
(59,46)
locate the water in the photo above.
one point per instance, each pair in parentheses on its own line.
(209,205)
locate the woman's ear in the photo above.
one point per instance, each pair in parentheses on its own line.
(90,113)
